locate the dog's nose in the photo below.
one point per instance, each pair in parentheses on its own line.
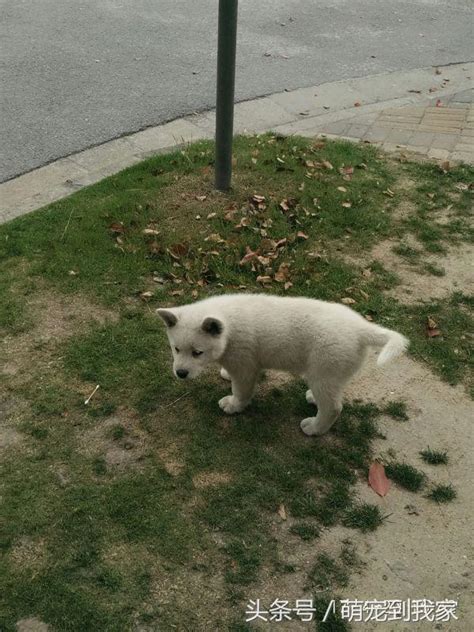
(182,373)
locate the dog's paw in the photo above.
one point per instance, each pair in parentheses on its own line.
(310,427)
(225,375)
(310,398)
(230,405)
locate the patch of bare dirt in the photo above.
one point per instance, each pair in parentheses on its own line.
(60,316)
(170,459)
(55,318)
(28,553)
(121,454)
(32,624)
(415,286)
(211,479)
(9,435)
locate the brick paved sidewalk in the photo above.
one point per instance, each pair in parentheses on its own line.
(438,132)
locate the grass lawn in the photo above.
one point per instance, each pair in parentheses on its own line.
(149,506)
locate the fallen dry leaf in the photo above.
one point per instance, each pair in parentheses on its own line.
(250,254)
(211,216)
(151,231)
(347,204)
(215,238)
(177,293)
(327,165)
(283,273)
(342,189)
(357,104)
(445,166)
(201,198)
(117,228)
(146,296)
(287,285)
(282,512)
(432,330)
(347,300)
(178,250)
(301,235)
(378,479)
(264,279)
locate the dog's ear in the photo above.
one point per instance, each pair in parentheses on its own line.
(168,316)
(212,326)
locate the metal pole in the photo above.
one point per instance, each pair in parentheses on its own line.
(226,47)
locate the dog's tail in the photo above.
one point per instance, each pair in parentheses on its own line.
(393,343)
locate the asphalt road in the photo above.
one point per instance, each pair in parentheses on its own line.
(75,73)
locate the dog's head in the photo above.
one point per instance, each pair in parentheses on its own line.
(195,341)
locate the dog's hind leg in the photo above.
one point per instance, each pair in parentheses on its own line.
(328,398)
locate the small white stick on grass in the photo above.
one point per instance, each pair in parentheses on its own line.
(86,401)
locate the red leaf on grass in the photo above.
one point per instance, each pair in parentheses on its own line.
(377,479)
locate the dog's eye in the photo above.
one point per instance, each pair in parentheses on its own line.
(176,349)
(196,354)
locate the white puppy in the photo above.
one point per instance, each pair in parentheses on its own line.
(325,343)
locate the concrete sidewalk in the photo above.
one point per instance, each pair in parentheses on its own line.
(428,111)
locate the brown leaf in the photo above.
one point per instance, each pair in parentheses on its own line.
(432,330)
(177,293)
(283,273)
(347,204)
(357,104)
(287,285)
(281,242)
(264,279)
(301,235)
(151,231)
(369,318)
(215,238)
(378,479)
(178,250)
(347,300)
(282,512)
(211,215)
(117,228)
(146,296)
(250,254)
(327,165)
(342,189)
(244,222)
(445,166)
(154,248)
(201,198)
(346,171)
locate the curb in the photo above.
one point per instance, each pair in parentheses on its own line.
(306,111)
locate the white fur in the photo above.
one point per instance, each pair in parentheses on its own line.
(323,342)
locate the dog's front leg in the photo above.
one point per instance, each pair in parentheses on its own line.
(242,390)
